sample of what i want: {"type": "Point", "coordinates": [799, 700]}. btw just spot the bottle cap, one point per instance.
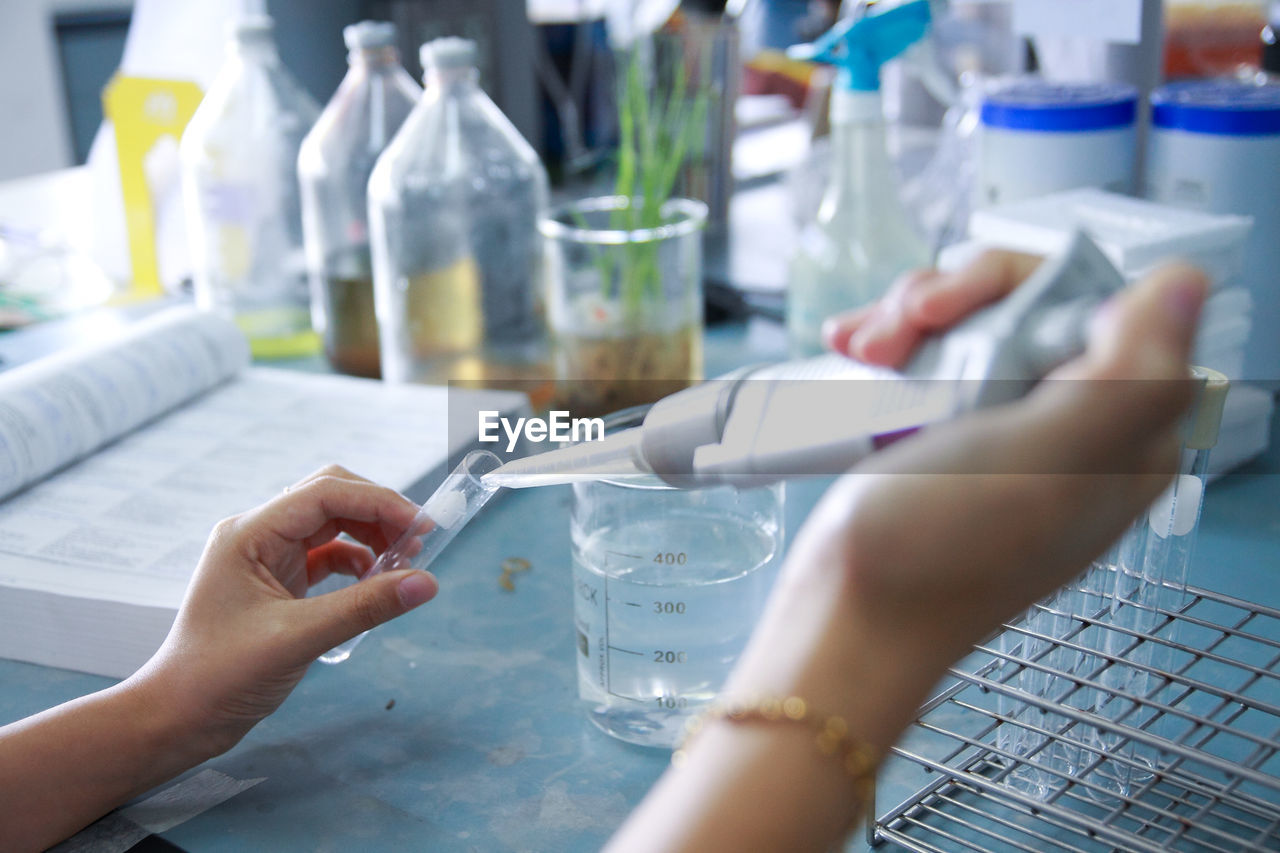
{"type": "Point", "coordinates": [859, 46]}
{"type": "Point", "coordinates": [1219, 107]}
{"type": "Point", "coordinates": [251, 27]}
{"type": "Point", "coordinates": [1033, 104]}
{"type": "Point", "coordinates": [448, 52]}
{"type": "Point", "coordinates": [368, 35]}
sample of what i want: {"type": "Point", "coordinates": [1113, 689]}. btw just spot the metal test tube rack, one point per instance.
{"type": "Point", "coordinates": [1212, 716]}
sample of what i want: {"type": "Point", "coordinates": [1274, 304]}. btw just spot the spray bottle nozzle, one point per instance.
{"type": "Point", "coordinates": [859, 46]}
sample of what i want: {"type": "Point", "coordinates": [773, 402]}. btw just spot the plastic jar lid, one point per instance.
{"type": "Point", "coordinates": [1220, 107]}
{"type": "Point", "coordinates": [1039, 105]}
{"type": "Point", "coordinates": [368, 35]}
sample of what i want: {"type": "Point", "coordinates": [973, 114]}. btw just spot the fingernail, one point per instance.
{"type": "Point", "coordinates": [418, 588]}
{"type": "Point", "coordinates": [834, 336]}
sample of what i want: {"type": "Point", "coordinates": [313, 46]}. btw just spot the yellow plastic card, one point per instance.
{"type": "Point", "coordinates": [144, 111]}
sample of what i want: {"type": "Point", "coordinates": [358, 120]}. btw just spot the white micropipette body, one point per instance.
{"type": "Point", "coordinates": [820, 416]}
{"type": "Point", "coordinates": [447, 511]}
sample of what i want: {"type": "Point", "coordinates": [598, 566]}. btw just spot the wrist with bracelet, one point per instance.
{"type": "Point", "coordinates": [831, 736]}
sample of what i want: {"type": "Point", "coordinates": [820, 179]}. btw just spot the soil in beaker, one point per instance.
{"type": "Point", "coordinates": [599, 375]}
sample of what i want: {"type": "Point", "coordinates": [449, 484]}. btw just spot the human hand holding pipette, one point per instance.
{"type": "Point", "coordinates": [924, 302]}
{"type": "Point", "coordinates": [925, 549]}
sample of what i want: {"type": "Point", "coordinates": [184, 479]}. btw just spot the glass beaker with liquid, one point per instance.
{"type": "Point", "coordinates": [668, 585]}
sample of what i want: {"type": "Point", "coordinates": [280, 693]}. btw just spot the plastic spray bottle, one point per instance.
{"type": "Point", "coordinates": [862, 238]}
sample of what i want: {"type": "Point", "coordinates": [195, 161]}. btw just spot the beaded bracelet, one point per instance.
{"type": "Point", "coordinates": [831, 732]}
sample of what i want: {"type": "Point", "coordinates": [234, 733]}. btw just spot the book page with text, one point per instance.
{"type": "Point", "coordinates": [129, 523]}
{"type": "Point", "coordinates": [61, 408]}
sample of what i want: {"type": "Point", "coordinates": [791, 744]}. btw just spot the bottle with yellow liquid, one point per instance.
{"type": "Point", "coordinates": [371, 103]}
{"type": "Point", "coordinates": [453, 209]}
{"type": "Point", "coordinates": [239, 156]}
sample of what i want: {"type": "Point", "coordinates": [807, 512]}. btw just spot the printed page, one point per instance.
{"type": "Point", "coordinates": [129, 523]}
{"type": "Point", "coordinates": [59, 409]}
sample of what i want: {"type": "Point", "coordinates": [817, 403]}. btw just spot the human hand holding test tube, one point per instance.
{"type": "Point", "coordinates": [447, 511]}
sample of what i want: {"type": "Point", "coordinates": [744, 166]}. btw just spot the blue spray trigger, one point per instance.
{"type": "Point", "coordinates": [858, 47]}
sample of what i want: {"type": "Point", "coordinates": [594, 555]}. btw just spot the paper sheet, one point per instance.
{"type": "Point", "coordinates": [171, 436]}
{"type": "Point", "coordinates": [129, 523]}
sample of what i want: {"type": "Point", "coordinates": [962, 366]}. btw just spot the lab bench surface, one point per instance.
{"type": "Point", "coordinates": [458, 727]}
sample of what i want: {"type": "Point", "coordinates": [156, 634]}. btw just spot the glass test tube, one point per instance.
{"type": "Point", "coordinates": [1149, 583]}
{"type": "Point", "coordinates": [447, 511]}
{"type": "Point", "coordinates": [1131, 587]}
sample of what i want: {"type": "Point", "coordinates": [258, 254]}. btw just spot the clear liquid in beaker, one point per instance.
{"type": "Point", "coordinates": [662, 609]}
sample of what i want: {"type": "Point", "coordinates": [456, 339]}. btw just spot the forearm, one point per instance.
{"type": "Point", "coordinates": [766, 785]}
{"type": "Point", "coordinates": [64, 768]}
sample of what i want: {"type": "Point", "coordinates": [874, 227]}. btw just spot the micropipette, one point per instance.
{"type": "Point", "coordinates": [762, 425]}
{"type": "Point", "coordinates": [446, 512]}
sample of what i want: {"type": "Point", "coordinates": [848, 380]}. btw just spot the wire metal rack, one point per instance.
{"type": "Point", "coordinates": [1191, 761]}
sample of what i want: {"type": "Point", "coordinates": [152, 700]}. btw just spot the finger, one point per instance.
{"type": "Point", "coordinates": [1142, 341]}
{"type": "Point", "coordinates": [379, 537]}
{"type": "Point", "coordinates": [946, 299]}
{"type": "Point", "coordinates": [887, 336]}
{"type": "Point", "coordinates": [837, 329]}
{"type": "Point", "coordinates": [319, 508]}
{"type": "Point", "coordinates": [887, 339]}
{"type": "Point", "coordinates": [1132, 385]}
{"type": "Point", "coordinates": [338, 557]}
{"type": "Point", "coordinates": [335, 617]}
{"type": "Point", "coordinates": [331, 470]}
{"type": "Point", "coordinates": [1148, 330]}
{"type": "Point", "coordinates": [375, 535]}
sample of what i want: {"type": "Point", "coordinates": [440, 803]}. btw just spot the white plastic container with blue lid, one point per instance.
{"type": "Point", "coordinates": [1039, 137]}
{"type": "Point", "coordinates": [1215, 146]}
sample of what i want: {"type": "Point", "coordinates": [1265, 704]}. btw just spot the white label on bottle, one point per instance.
{"type": "Point", "coordinates": [1175, 512]}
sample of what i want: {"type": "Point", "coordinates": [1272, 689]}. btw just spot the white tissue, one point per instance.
{"type": "Point", "coordinates": [446, 508]}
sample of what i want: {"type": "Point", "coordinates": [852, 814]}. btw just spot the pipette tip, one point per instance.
{"type": "Point", "coordinates": [617, 457]}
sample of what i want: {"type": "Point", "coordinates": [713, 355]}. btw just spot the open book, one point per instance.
{"type": "Point", "coordinates": [116, 461]}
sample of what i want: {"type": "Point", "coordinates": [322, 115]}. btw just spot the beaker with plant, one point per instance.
{"type": "Point", "coordinates": [624, 271]}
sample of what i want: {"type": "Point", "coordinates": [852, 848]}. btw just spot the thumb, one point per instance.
{"type": "Point", "coordinates": [336, 617]}
{"type": "Point", "coordinates": [1131, 385]}
{"type": "Point", "coordinates": [1150, 330]}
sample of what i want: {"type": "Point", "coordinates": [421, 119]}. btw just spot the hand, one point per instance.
{"type": "Point", "coordinates": [926, 547]}
{"type": "Point", "coordinates": [923, 302]}
{"type": "Point", "coordinates": [940, 538]}
{"type": "Point", "coordinates": [242, 639]}
{"type": "Point", "coordinates": [246, 634]}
